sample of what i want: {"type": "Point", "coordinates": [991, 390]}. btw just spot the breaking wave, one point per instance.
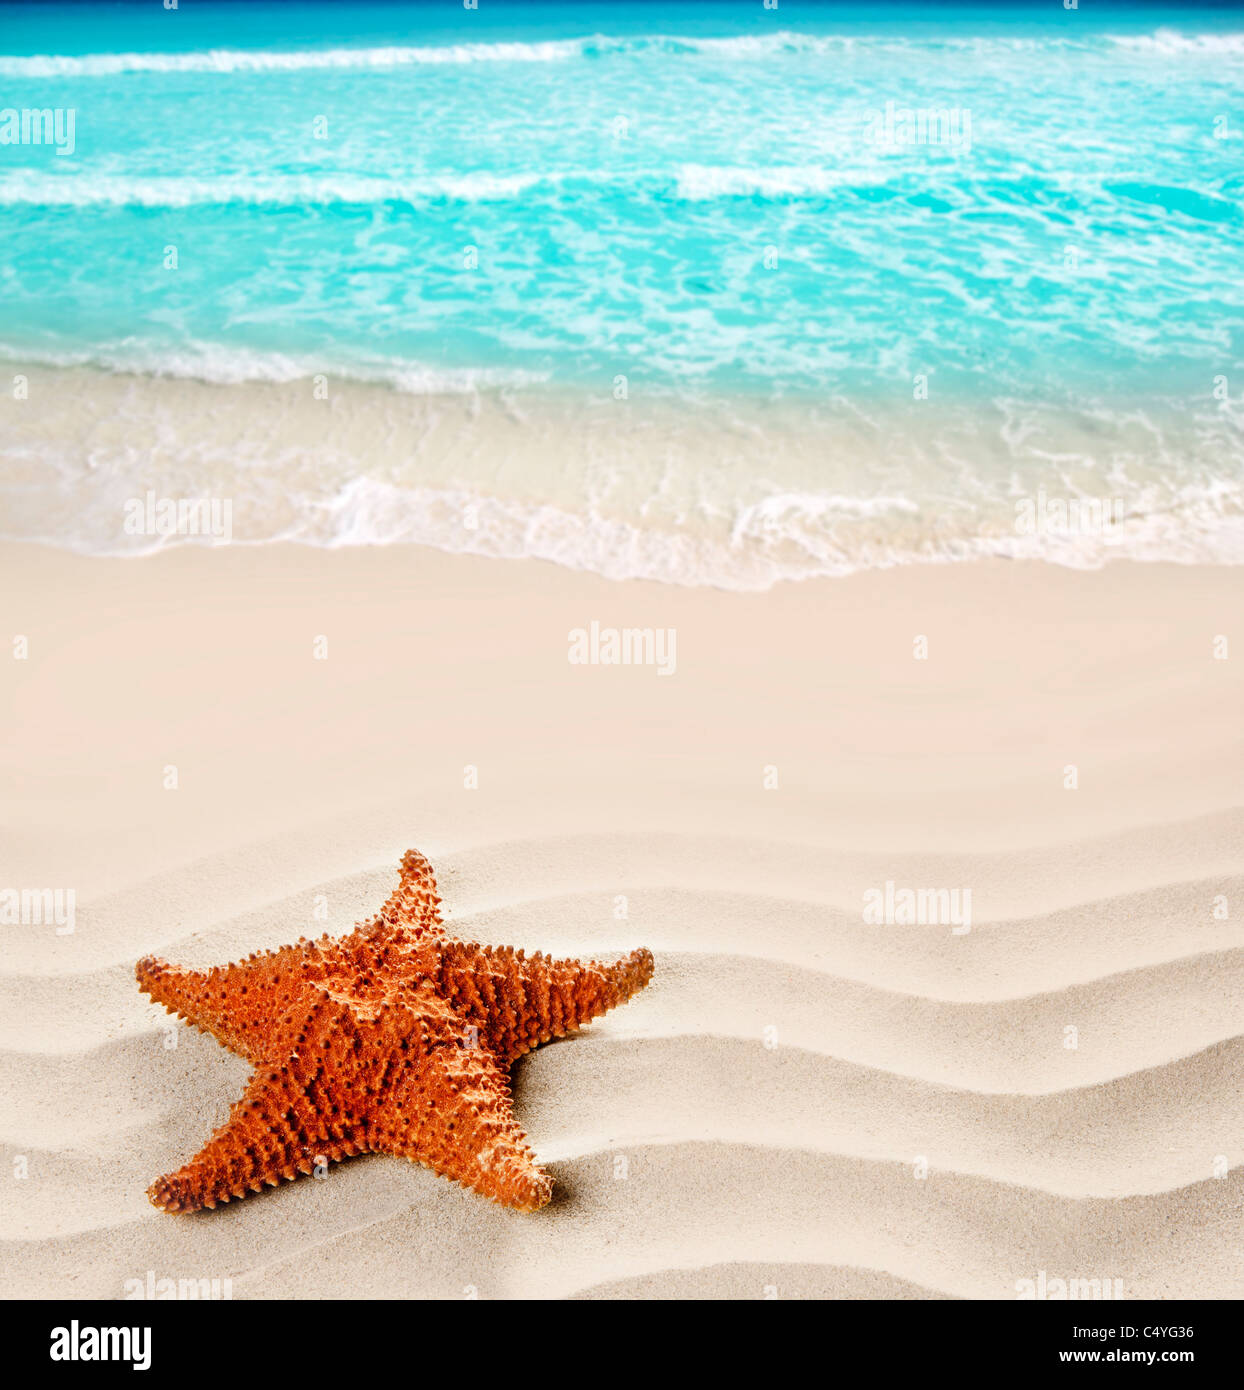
{"type": "Point", "coordinates": [1167, 42]}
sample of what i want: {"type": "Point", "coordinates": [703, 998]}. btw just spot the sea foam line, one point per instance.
{"type": "Point", "coordinates": [686, 183]}
{"type": "Point", "coordinates": [234, 366]}
{"type": "Point", "coordinates": [1170, 42]}
{"type": "Point", "coordinates": [222, 60]}
{"type": "Point", "coordinates": [741, 47]}
{"type": "Point", "coordinates": [689, 183]}
{"type": "Point", "coordinates": [23, 188]}
{"type": "Point", "coordinates": [798, 539]}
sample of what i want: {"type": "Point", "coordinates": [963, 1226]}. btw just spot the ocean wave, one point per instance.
{"type": "Point", "coordinates": [686, 183]}
{"type": "Point", "coordinates": [233, 366]}
{"type": "Point", "coordinates": [792, 539]}
{"type": "Point", "coordinates": [701, 183]}
{"type": "Point", "coordinates": [786, 514]}
{"type": "Point", "coordinates": [1171, 43]}
{"type": "Point", "coordinates": [690, 183]}
{"type": "Point", "coordinates": [385, 472]}
{"type": "Point", "coordinates": [226, 60]}
{"type": "Point", "coordinates": [25, 188]}
{"type": "Point", "coordinates": [736, 47]}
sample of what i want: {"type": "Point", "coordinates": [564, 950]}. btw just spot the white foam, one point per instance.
{"type": "Point", "coordinates": [25, 187]}
{"type": "Point", "coordinates": [1171, 43]}
{"type": "Point", "coordinates": [743, 47]}
{"type": "Point", "coordinates": [226, 60]}
{"type": "Point", "coordinates": [789, 538]}
{"type": "Point", "coordinates": [693, 183]}
{"type": "Point", "coordinates": [701, 182]}
{"type": "Point", "coordinates": [231, 366]}
{"type": "Point", "coordinates": [788, 514]}
{"type": "Point", "coordinates": [765, 45]}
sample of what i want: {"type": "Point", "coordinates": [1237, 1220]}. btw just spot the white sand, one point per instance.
{"type": "Point", "coordinates": [757, 1116]}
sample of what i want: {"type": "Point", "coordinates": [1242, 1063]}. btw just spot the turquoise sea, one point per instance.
{"type": "Point", "coordinates": [705, 292]}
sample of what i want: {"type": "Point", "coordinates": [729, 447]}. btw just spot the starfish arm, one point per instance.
{"type": "Point", "coordinates": [414, 903]}
{"type": "Point", "coordinates": [451, 1111]}
{"type": "Point", "coordinates": [282, 1126]}
{"type": "Point", "coordinates": [237, 1004]}
{"type": "Point", "coordinates": [519, 1001]}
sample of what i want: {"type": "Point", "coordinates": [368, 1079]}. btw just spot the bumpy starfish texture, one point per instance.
{"type": "Point", "coordinates": [394, 1039]}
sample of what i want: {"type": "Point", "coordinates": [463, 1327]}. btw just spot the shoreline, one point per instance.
{"type": "Point", "coordinates": [738, 493]}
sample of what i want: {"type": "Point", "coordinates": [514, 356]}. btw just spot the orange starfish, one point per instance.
{"type": "Point", "coordinates": [394, 1039]}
